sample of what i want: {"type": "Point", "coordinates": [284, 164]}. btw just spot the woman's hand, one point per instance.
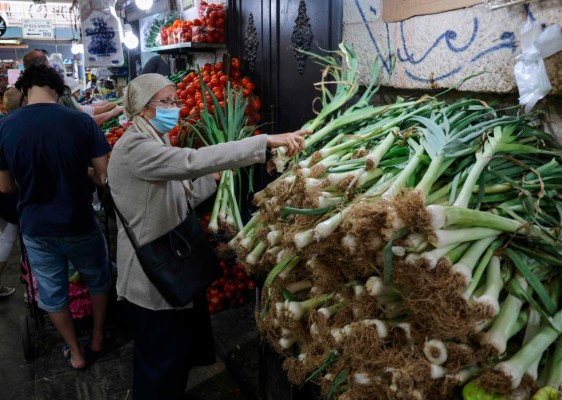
{"type": "Point", "coordinates": [294, 141]}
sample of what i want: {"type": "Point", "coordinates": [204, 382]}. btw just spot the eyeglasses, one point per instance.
{"type": "Point", "coordinates": [176, 103]}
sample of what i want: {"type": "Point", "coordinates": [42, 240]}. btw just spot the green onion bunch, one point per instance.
{"type": "Point", "coordinates": [413, 250]}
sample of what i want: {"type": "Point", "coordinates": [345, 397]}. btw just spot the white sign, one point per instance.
{"type": "Point", "coordinates": [37, 28]}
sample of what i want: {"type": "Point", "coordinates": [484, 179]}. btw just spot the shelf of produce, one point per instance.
{"type": "Point", "coordinates": [184, 47]}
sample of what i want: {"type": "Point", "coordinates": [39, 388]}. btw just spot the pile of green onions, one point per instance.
{"type": "Point", "coordinates": [413, 249]}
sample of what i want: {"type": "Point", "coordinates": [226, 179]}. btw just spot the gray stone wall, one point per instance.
{"type": "Point", "coordinates": [437, 51]}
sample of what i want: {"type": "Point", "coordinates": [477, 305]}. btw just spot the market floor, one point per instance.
{"type": "Point", "coordinates": [47, 376]}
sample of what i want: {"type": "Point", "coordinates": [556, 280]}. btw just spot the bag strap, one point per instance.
{"type": "Point", "coordinates": [123, 222]}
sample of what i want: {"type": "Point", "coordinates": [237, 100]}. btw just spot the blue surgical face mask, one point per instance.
{"type": "Point", "coordinates": [165, 119]}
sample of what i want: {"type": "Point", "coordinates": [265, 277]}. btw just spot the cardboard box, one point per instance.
{"type": "Point", "coordinates": [399, 10]}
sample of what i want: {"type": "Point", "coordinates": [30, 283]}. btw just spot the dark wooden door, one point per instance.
{"type": "Point", "coordinates": [265, 33]}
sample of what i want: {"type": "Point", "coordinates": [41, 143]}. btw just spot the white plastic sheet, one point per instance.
{"type": "Point", "coordinates": [530, 72]}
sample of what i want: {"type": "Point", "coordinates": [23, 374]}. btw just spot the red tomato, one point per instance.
{"type": "Point", "coordinates": [219, 95]}
{"type": "Point", "coordinates": [236, 63]}
{"type": "Point", "coordinates": [174, 141]}
{"type": "Point", "coordinates": [181, 85]}
{"type": "Point", "coordinates": [218, 66]}
{"type": "Point", "coordinates": [223, 80]}
{"type": "Point", "coordinates": [235, 74]}
{"type": "Point", "coordinates": [256, 104]}
{"type": "Point", "coordinates": [191, 89]}
{"type": "Point", "coordinates": [174, 131]}
{"type": "Point", "coordinates": [214, 82]}
{"type": "Point", "coordinates": [184, 112]}
{"type": "Point", "coordinates": [257, 132]}
{"type": "Point", "coordinates": [251, 285]}
{"type": "Point", "coordinates": [190, 103]}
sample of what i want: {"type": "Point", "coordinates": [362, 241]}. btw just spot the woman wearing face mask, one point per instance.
{"type": "Point", "coordinates": [151, 184]}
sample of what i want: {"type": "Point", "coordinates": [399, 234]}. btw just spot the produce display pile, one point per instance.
{"type": "Point", "coordinates": [218, 109]}
{"type": "Point", "coordinates": [413, 251]}
{"type": "Point", "coordinates": [210, 27]}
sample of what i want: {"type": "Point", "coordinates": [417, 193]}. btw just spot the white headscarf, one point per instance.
{"type": "Point", "coordinates": [138, 93]}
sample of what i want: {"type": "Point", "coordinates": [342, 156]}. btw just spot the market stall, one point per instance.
{"type": "Point", "coordinates": [412, 250]}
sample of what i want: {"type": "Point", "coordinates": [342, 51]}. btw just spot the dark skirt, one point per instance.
{"type": "Point", "coordinates": [167, 344]}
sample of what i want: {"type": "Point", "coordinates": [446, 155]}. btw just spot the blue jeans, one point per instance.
{"type": "Point", "coordinates": [49, 258]}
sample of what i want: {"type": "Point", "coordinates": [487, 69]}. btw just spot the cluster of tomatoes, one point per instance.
{"type": "Point", "coordinates": [190, 93]}
{"type": "Point", "coordinates": [231, 290]}
{"type": "Point", "coordinates": [115, 133]}
{"type": "Point", "coordinates": [210, 27]}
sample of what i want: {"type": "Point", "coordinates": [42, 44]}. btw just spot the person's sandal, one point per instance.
{"type": "Point", "coordinates": [66, 353]}
{"type": "Point", "coordinates": [6, 291]}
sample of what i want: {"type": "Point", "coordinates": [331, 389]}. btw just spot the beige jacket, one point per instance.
{"type": "Point", "coordinates": [145, 178]}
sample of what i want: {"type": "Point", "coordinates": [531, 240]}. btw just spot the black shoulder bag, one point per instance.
{"type": "Point", "coordinates": [180, 263]}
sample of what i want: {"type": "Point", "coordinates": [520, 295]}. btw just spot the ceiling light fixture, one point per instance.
{"type": "Point", "coordinates": [130, 39]}
{"type": "Point", "coordinates": [77, 47]}
{"type": "Point", "coordinates": [144, 4]}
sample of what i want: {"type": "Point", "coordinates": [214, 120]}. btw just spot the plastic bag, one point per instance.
{"type": "Point", "coordinates": [530, 71]}
{"type": "Point", "coordinates": [549, 41]}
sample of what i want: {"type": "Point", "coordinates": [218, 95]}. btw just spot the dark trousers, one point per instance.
{"type": "Point", "coordinates": [164, 343]}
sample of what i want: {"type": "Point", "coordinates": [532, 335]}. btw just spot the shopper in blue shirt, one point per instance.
{"type": "Point", "coordinates": [48, 149]}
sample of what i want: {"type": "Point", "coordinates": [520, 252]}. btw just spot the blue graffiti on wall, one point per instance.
{"type": "Point", "coordinates": [449, 38]}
